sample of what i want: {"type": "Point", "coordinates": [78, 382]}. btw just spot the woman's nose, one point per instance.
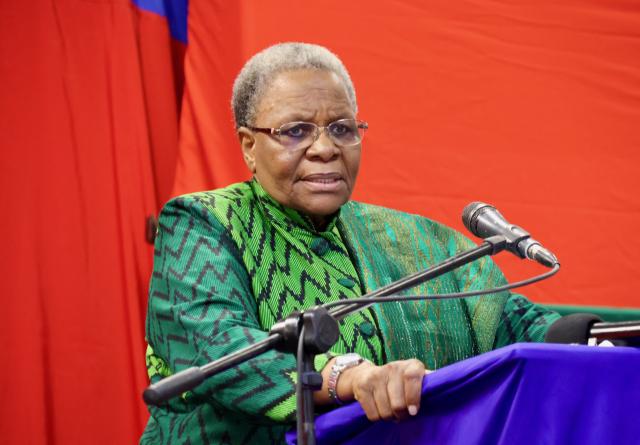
{"type": "Point", "coordinates": [323, 147]}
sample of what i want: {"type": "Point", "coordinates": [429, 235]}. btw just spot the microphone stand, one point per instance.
{"type": "Point", "coordinates": [309, 333]}
{"type": "Point", "coordinates": [624, 333]}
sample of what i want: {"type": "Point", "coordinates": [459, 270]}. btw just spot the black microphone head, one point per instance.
{"type": "Point", "coordinates": [572, 328]}
{"type": "Point", "coordinates": [470, 214]}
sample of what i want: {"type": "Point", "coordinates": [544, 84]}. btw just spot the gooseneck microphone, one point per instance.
{"type": "Point", "coordinates": [572, 328]}
{"type": "Point", "coordinates": [484, 220]}
{"type": "Point", "coordinates": [583, 329]}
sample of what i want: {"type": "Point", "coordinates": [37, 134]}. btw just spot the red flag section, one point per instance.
{"type": "Point", "coordinates": [531, 107]}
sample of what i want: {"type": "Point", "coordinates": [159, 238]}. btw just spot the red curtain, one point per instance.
{"type": "Point", "coordinates": [531, 106]}
{"type": "Point", "coordinates": [89, 136]}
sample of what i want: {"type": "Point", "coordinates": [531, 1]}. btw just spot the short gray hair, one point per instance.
{"type": "Point", "coordinates": [262, 68]}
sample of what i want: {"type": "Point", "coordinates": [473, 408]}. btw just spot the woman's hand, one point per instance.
{"type": "Point", "coordinates": [390, 392]}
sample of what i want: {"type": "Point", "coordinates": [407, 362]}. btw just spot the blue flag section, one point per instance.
{"type": "Point", "coordinates": [174, 10]}
{"type": "Point", "coordinates": [524, 393]}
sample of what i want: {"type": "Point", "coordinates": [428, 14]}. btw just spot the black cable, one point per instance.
{"type": "Point", "coordinates": [374, 300]}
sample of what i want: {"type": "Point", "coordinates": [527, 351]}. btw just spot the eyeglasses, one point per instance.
{"type": "Point", "coordinates": [300, 135]}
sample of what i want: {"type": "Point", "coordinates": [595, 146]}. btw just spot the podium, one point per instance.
{"type": "Point", "coordinates": [520, 394]}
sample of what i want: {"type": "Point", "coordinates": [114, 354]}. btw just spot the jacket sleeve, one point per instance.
{"type": "Point", "coordinates": [201, 308]}
{"type": "Point", "coordinates": [523, 321]}
{"type": "Point", "coordinates": [520, 319]}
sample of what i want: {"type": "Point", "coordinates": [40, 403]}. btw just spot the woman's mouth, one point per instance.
{"type": "Point", "coordinates": [323, 182]}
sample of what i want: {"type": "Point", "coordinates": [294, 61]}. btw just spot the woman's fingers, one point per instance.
{"type": "Point", "coordinates": [405, 387]}
{"type": "Point", "coordinates": [413, 374]}
{"type": "Point", "coordinates": [391, 391]}
{"type": "Point", "coordinates": [396, 391]}
{"type": "Point", "coordinates": [383, 405]}
{"type": "Point", "coordinates": [363, 389]}
{"type": "Point", "coordinates": [369, 406]}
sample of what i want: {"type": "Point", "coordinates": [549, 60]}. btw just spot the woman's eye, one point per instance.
{"type": "Point", "coordinates": [340, 129]}
{"type": "Point", "coordinates": [297, 131]}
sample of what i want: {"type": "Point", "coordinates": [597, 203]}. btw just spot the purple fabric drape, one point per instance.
{"type": "Point", "coordinates": [524, 393]}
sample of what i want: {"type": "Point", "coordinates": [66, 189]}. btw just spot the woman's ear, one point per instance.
{"type": "Point", "coordinates": [248, 143]}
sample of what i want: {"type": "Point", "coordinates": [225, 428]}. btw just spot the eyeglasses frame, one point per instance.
{"type": "Point", "coordinates": [319, 129]}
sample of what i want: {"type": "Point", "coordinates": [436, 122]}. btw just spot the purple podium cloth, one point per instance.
{"type": "Point", "coordinates": [521, 394]}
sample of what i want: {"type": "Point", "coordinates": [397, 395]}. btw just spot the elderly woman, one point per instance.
{"type": "Point", "coordinates": [229, 263]}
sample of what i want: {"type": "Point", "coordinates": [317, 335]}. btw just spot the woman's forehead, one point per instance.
{"type": "Point", "coordinates": [302, 94]}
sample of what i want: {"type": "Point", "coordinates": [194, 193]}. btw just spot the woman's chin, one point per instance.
{"type": "Point", "coordinates": [322, 206]}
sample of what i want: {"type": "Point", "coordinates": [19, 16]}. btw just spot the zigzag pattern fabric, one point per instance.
{"type": "Point", "coordinates": [230, 263]}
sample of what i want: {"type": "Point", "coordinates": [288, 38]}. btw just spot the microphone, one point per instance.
{"type": "Point", "coordinates": [484, 220]}
{"type": "Point", "coordinates": [572, 328]}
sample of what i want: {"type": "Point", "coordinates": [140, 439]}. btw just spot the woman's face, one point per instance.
{"type": "Point", "coordinates": [316, 180]}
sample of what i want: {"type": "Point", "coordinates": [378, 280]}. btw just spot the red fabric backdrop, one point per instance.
{"type": "Point", "coordinates": [531, 106]}
{"type": "Point", "coordinates": [89, 130]}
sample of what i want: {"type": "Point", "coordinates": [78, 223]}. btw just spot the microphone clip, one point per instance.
{"type": "Point", "coordinates": [497, 242]}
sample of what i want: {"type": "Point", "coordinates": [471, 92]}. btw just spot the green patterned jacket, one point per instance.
{"type": "Point", "coordinates": [229, 263]}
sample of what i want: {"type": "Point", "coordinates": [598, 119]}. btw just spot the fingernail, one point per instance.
{"type": "Point", "coordinates": [413, 410]}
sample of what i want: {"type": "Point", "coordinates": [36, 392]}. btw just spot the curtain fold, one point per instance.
{"type": "Point", "coordinates": [89, 136]}
{"type": "Point", "coordinates": [111, 107]}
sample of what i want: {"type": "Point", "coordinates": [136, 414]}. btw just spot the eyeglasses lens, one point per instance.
{"type": "Point", "coordinates": [344, 132]}
{"type": "Point", "coordinates": [298, 135]}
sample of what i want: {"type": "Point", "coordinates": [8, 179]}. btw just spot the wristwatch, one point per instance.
{"type": "Point", "coordinates": [342, 362]}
